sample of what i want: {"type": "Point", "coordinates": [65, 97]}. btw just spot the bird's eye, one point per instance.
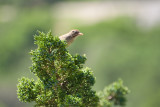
{"type": "Point", "coordinates": [73, 31]}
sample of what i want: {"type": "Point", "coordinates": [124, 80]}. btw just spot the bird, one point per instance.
{"type": "Point", "coordinates": [70, 36]}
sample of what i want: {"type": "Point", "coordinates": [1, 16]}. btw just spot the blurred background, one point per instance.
{"type": "Point", "coordinates": [121, 40]}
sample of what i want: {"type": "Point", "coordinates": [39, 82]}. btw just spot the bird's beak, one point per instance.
{"type": "Point", "coordinates": [80, 33]}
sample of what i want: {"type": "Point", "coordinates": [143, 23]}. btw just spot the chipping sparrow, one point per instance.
{"type": "Point", "coordinates": [69, 37]}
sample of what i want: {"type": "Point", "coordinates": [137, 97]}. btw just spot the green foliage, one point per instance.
{"type": "Point", "coordinates": [25, 90]}
{"type": "Point", "coordinates": [113, 94]}
{"type": "Point", "coordinates": [62, 79]}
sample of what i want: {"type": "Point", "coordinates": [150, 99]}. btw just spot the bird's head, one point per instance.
{"type": "Point", "coordinates": [75, 33]}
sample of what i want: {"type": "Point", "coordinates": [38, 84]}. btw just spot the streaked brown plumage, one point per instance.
{"type": "Point", "coordinates": [70, 37]}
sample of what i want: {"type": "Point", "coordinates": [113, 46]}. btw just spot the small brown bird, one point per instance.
{"type": "Point", "coordinates": [69, 37]}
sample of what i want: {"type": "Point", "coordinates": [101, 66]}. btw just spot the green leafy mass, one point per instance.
{"type": "Point", "coordinates": [62, 79]}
